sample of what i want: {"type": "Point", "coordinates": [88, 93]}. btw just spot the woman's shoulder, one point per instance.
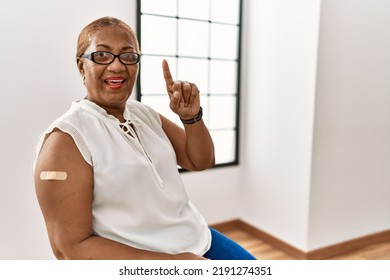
{"type": "Point", "coordinates": [133, 103]}
{"type": "Point", "coordinates": [67, 126]}
{"type": "Point", "coordinates": [71, 113]}
{"type": "Point", "coordinates": [142, 111]}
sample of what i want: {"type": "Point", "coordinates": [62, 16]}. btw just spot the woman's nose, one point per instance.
{"type": "Point", "coordinates": [116, 65]}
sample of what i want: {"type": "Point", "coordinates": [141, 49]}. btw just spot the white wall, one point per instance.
{"type": "Point", "coordinates": [317, 150]}
{"type": "Point", "coordinates": [39, 80]}
{"type": "Point", "coordinates": [281, 56]}
{"type": "Point", "coordinates": [350, 190]}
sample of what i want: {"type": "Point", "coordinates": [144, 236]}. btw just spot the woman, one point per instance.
{"type": "Point", "coordinates": [106, 171]}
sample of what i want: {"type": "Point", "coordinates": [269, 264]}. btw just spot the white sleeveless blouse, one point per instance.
{"type": "Point", "coordinates": [139, 198]}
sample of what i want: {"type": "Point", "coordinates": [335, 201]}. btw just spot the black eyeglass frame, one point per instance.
{"type": "Point", "coordinates": [90, 56]}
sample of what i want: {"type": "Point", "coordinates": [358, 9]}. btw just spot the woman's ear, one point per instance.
{"type": "Point", "coordinates": [80, 66]}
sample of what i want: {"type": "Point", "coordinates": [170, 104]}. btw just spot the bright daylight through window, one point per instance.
{"type": "Point", "coordinates": [200, 39]}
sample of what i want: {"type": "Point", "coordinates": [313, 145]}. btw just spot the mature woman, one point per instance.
{"type": "Point", "coordinates": [106, 171]}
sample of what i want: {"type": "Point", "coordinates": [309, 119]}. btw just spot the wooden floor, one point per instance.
{"type": "Point", "coordinates": [265, 251]}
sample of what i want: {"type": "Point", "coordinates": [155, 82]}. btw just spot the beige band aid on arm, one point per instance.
{"type": "Point", "coordinates": [53, 175]}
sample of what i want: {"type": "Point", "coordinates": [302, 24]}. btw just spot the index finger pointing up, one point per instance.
{"type": "Point", "coordinates": [167, 73]}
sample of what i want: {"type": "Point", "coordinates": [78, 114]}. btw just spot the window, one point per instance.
{"type": "Point", "coordinates": [200, 39]}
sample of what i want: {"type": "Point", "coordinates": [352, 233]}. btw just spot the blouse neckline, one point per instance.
{"type": "Point", "coordinates": [101, 113]}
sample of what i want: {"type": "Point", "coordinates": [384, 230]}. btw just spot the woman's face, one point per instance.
{"type": "Point", "coordinates": [109, 85]}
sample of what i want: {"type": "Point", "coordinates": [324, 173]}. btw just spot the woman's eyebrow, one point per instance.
{"type": "Point", "coordinates": [110, 48]}
{"type": "Point", "coordinates": [103, 46]}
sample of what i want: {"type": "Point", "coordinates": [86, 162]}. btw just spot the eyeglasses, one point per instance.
{"type": "Point", "coordinates": [105, 58]}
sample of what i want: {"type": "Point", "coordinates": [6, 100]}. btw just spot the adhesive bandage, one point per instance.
{"type": "Point", "coordinates": [53, 175]}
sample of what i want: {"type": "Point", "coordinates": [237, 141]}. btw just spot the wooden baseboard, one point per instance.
{"type": "Point", "coordinates": [318, 254]}
{"type": "Point", "coordinates": [224, 226]}
{"type": "Point", "coordinates": [348, 246]}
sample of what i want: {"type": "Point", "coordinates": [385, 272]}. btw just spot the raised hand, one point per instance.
{"type": "Point", "coordinates": [184, 96]}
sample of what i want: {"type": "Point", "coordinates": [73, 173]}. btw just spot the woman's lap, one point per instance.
{"type": "Point", "coordinates": [223, 248]}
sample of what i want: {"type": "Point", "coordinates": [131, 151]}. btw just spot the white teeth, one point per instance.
{"type": "Point", "coordinates": [115, 81]}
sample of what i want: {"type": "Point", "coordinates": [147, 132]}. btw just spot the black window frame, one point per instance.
{"type": "Point", "coordinates": [234, 162]}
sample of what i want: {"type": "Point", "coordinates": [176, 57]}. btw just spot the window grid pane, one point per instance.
{"type": "Point", "coordinates": [199, 9]}
{"type": "Point", "coordinates": [193, 38]}
{"type": "Point", "coordinates": [201, 45]}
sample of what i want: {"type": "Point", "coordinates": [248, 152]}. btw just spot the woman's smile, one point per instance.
{"type": "Point", "coordinates": [115, 83]}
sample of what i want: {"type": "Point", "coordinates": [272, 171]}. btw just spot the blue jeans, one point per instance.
{"type": "Point", "coordinates": [223, 248]}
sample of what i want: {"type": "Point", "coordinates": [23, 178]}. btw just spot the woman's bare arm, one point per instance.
{"type": "Point", "coordinates": [193, 145]}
